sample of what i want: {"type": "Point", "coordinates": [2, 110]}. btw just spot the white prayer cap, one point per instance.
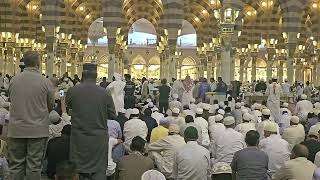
{"type": "Point", "coordinates": [206, 107]}
{"type": "Point", "coordinates": [221, 104]}
{"type": "Point", "coordinates": [135, 111]}
{"type": "Point", "coordinates": [2, 93]}
{"type": "Point", "coordinates": [257, 113]}
{"type": "Point", "coordinates": [221, 111]}
{"type": "Point", "coordinates": [218, 117]}
{"type": "Point", "coordinates": [313, 133]}
{"type": "Point", "coordinates": [164, 121]}
{"type": "Point", "coordinates": [294, 119]}
{"type": "Point", "coordinates": [54, 117]}
{"type": "Point", "coordinates": [270, 126]}
{"type": "Point", "coordinates": [317, 105]}
{"type": "Point", "coordinates": [155, 109]}
{"type": "Point", "coordinates": [266, 112]}
{"type": "Point", "coordinates": [243, 111]}
{"type": "Point", "coordinates": [148, 100]}
{"type": "Point", "coordinates": [192, 100]}
{"type": "Point", "coordinates": [174, 128]}
{"type": "Point", "coordinates": [212, 118]}
{"type": "Point", "coordinates": [175, 96]}
{"type": "Point", "coordinates": [176, 110]}
{"type": "Point", "coordinates": [286, 105]}
{"type": "Point", "coordinates": [153, 175]}
{"type": "Point", "coordinates": [238, 105]}
{"type": "Point", "coordinates": [122, 110]}
{"type": "Point", "coordinates": [150, 104]}
{"type": "Point", "coordinates": [247, 117]}
{"type": "Point", "coordinates": [304, 97]}
{"type": "Point", "coordinates": [199, 111]}
{"type": "Point", "coordinates": [229, 120]}
{"type": "Point", "coordinates": [242, 103]}
{"type": "Point", "coordinates": [258, 106]}
{"type": "Point", "coordinates": [212, 110]}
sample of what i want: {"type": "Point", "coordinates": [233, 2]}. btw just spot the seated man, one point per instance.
{"type": "Point", "coordinates": [299, 167]}
{"type": "Point", "coordinates": [175, 118]}
{"type": "Point", "coordinates": [163, 150]}
{"type": "Point", "coordinates": [58, 150]}
{"type": "Point", "coordinates": [191, 161]}
{"type": "Point", "coordinates": [161, 131]}
{"type": "Point", "coordinates": [313, 145]}
{"type": "Point", "coordinates": [135, 164]}
{"type": "Point", "coordinates": [294, 134]}
{"type": "Point", "coordinates": [134, 127]}
{"type": "Point", "coordinates": [190, 122]}
{"type": "Point", "coordinates": [229, 142]}
{"type": "Point", "coordinates": [250, 162]}
{"type": "Point", "coordinates": [66, 170]}
{"type": "Point", "coordinates": [275, 147]}
{"type": "Point", "coordinates": [247, 124]}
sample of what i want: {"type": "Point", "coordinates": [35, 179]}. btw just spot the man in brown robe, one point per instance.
{"type": "Point", "coordinates": [91, 107]}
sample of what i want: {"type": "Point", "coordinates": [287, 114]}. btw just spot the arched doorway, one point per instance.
{"type": "Point", "coordinates": [138, 67]}
{"type": "Point", "coordinates": [154, 67]}
{"type": "Point", "coordinates": [188, 66]}
{"type": "Point", "coordinates": [103, 67]}
{"type": "Point", "coordinates": [261, 70]}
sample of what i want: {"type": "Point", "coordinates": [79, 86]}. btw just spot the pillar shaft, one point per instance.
{"type": "Point", "coordinates": [280, 72]}
{"type": "Point", "coordinates": [253, 68]}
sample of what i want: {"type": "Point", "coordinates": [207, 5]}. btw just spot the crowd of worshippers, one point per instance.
{"type": "Point", "coordinates": [122, 130]}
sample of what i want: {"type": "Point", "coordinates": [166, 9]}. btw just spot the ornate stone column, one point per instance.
{"type": "Point", "coordinates": [242, 63]}
{"type": "Point", "coordinates": [253, 66]}
{"type": "Point", "coordinates": [218, 65]}
{"type": "Point", "coordinates": [280, 72]}
{"type": "Point", "coordinates": [226, 60]}
{"type": "Point", "coordinates": [299, 72]}
{"type": "Point", "coordinates": [269, 70]}
{"type": "Point", "coordinates": [291, 47]}
{"type": "Point", "coordinates": [210, 70]}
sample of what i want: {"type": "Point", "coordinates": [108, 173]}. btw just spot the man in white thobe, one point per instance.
{"type": "Point", "coordinates": [216, 127]}
{"type": "Point", "coordinates": [229, 142]}
{"type": "Point", "coordinates": [156, 115]}
{"type": "Point", "coordinates": [163, 150]}
{"type": "Point", "coordinates": [273, 92]}
{"type": "Point", "coordinates": [134, 127]}
{"type": "Point", "coordinates": [247, 124]}
{"type": "Point", "coordinates": [199, 120]}
{"type": "Point", "coordinates": [303, 107]}
{"type": "Point", "coordinates": [277, 149]}
{"type": "Point", "coordinates": [265, 119]}
{"type": "Point", "coordinates": [294, 134]}
{"type": "Point", "coordinates": [175, 103]}
{"type": "Point", "coordinates": [286, 88]}
{"type": "Point", "coordinates": [175, 118]}
{"type": "Point", "coordinates": [117, 91]}
{"type": "Point", "coordinates": [192, 161]}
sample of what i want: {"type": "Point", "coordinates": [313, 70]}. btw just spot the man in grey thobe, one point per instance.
{"type": "Point", "coordinates": [91, 107]}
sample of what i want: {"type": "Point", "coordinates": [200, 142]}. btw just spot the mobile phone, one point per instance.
{"type": "Point", "coordinates": [61, 93]}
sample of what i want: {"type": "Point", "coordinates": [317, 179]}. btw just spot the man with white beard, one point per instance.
{"type": "Point", "coordinates": [273, 92]}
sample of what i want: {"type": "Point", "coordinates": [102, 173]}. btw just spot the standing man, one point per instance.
{"type": "Point", "coordinates": [164, 91]}
{"type": "Point", "coordinates": [273, 92]}
{"type": "Point", "coordinates": [221, 86]}
{"type": "Point", "coordinates": [32, 98]}
{"type": "Point", "coordinates": [91, 107]}
{"type": "Point", "coordinates": [129, 89]}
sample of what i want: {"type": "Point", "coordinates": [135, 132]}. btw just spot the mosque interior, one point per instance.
{"type": "Point", "coordinates": [241, 40]}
